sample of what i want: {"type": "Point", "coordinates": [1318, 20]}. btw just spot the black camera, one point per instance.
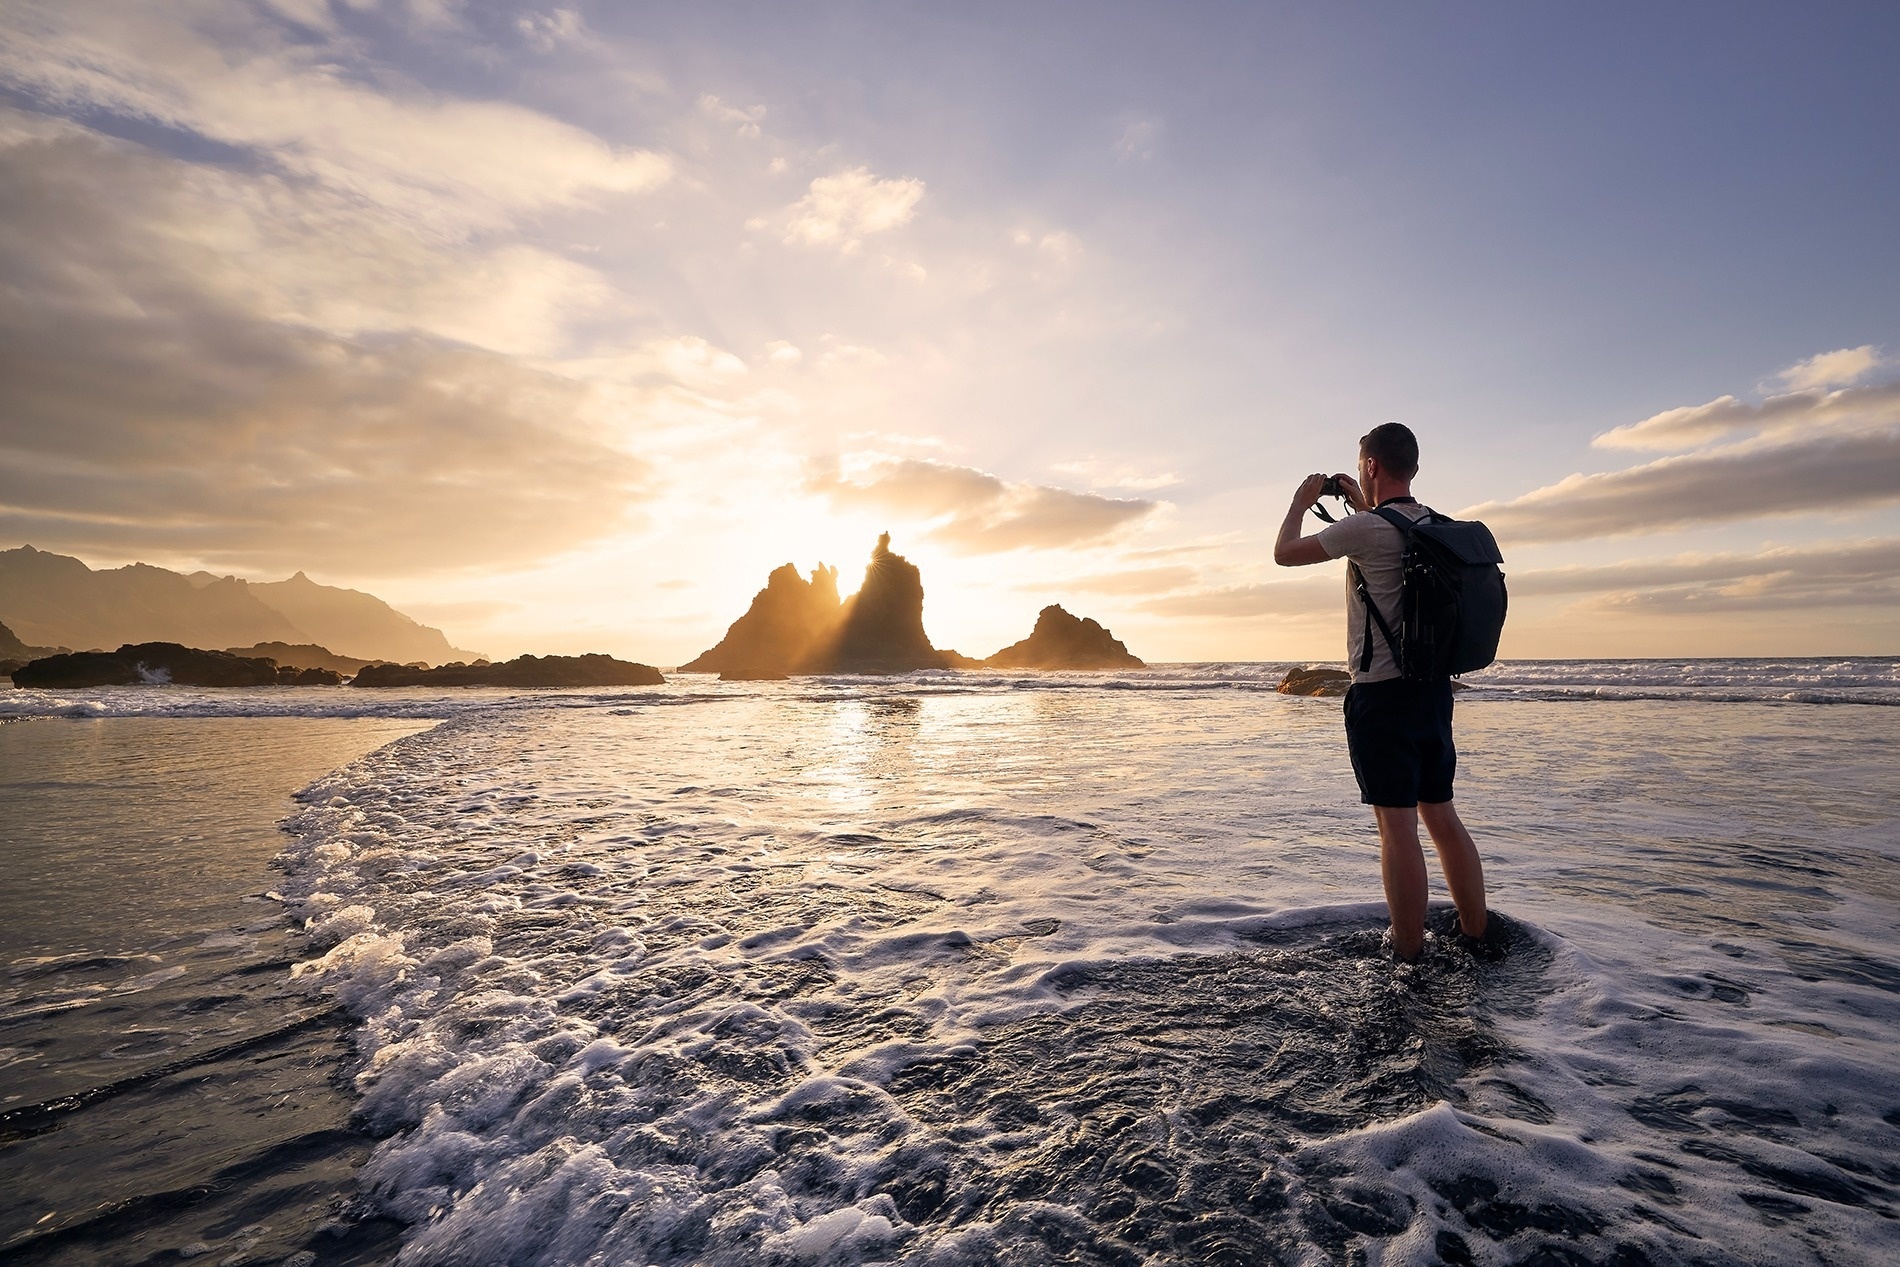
{"type": "Point", "coordinates": [1332, 487]}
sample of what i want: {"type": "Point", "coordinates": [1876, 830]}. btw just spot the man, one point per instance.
{"type": "Point", "coordinates": [1397, 732]}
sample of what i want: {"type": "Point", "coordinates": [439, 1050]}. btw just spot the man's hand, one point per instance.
{"type": "Point", "coordinates": [1355, 496]}
{"type": "Point", "coordinates": [1291, 549]}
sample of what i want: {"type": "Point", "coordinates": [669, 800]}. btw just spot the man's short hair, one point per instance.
{"type": "Point", "coordinates": [1395, 448]}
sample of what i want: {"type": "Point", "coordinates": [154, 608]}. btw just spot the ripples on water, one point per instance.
{"type": "Point", "coordinates": [953, 970]}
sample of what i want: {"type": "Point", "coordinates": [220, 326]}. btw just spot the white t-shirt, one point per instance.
{"type": "Point", "coordinates": [1377, 547]}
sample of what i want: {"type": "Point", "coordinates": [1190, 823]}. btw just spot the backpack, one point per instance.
{"type": "Point", "coordinates": [1453, 601]}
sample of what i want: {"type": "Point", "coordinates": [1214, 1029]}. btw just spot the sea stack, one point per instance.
{"type": "Point", "coordinates": [1062, 641]}
{"type": "Point", "coordinates": [800, 626]}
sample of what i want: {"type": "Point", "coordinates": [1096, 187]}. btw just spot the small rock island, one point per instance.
{"type": "Point", "coordinates": [1062, 641]}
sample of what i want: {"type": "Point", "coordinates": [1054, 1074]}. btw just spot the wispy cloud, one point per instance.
{"type": "Point", "coordinates": [1800, 451]}
{"type": "Point", "coordinates": [449, 166]}
{"type": "Point", "coordinates": [1832, 369]}
{"type": "Point", "coordinates": [1835, 575]}
{"type": "Point", "coordinates": [841, 211]}
{"type": "Point", "coordinates": [974, 512]}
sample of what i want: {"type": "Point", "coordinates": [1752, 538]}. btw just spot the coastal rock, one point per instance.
{"type": "Point", "coordinates": [303, 655]}
{"type": "Point", "coordinates": [1062, 641]}
{"type": "Point", "coordinates": [149, 664]}
{"type": "Point", "coordinates": [1315, 680]}
{"type": "Point", "coordinates": [527, 670]}
{"type": "Point", "coordinates": [780, 632]}
{"type": "Point", "coordinates": [800, 626]}
{"type": "Point", "coordinates": [883, 626]}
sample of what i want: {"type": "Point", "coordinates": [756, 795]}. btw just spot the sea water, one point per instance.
{"type": "Point", "coordinates": [997, 968]}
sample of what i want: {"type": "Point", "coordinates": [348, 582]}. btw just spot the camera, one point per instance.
{"type": "Point", "coordinates": [1332, 487]}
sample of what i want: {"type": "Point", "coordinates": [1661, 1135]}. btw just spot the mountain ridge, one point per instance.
{"type": "Point", "coordinates": [55, 599]}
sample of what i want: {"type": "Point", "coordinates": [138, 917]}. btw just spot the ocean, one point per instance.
{"type": "Point", "coordinates": [959, 968]}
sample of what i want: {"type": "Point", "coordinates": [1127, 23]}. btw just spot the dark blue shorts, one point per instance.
{"type": "Point", "coordinates": [1399, 735]}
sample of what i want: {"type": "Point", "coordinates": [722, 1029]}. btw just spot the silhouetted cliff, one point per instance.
{"type": "Point", "coordinates": [527, 670]}
{"type": "Point", "coordinates": [799, 626]}
{"type": "Point", "coordinates": [1061, 641]}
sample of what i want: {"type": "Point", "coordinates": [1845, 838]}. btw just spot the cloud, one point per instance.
{"type": "Point", "coordinates": [1805, 450]}
{"type": "Point", "coordinates": [975, 512]}
{"type": "Point", "coordinates": [194, 363]}
{"type": "Point", "coordinates": [746, 122]}
{"type": "Point", "coordinates": [1853, 574]}
{"type": "Point", "coordinates": [449, 167]}
{"type": "Point", "coordinates": [1720, 486]}
{"type": "Point", "coordinates": [840, 211]}
{"type": "Point", "coordinates": [1138, 139]}
{"type": "Point", "coordinates": [1832, 369]}
{"type": "Point", "coordinates": [1804, 412]}
{"type": "Point", "coordinates": [1155, 580]}
{"type": "Point", "coordinates": [1300, 599]}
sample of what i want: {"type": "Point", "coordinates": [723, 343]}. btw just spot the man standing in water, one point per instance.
{"type": "Point", "coordinates": [1397, 732]}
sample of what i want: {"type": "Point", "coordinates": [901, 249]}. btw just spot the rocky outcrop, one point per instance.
{"type": "Point", "coordinates": [1062, 641]}
{"type": "Point", "coordinates": [785, 629]}
{"type": "Point", "coordinates": [883, 626]}
{"type": "Point", "coordinates": [163, 664]}
{"type": "Point", "coordinates": [798, 626]}
{"type": "Point", "coordinates": [1315, 680]}
{"type": "Point", "coordinates": [527, 670]}
{"type": "Point", "coordinates": [303, 655]}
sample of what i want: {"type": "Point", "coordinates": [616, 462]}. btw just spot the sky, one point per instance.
{"type": "Point", "coordinates": [560, 327]}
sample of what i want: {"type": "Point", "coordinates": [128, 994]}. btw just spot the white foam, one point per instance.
{"type": "Point", "coordinates": [642, 983]}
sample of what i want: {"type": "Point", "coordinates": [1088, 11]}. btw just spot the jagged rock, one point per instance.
{"type": "Point", "coordinates": [1062, 641]}
{"type": "Point", "coordinates": [303, 655]}
{"type": "Point", "coordinates": [799, 626]}
{"type": "Point", "coordinates": [1315, 680]}
{"type": "Point", "coordinates": [527, 670]}
{"type": "Point", "coordinates": [308, 677]}
{"type": "Point", "coordinates": [147, 664]}
{"type": "Point", "coordinates": [883, 626]}
{"type": "Point", "coordinates": [780, 632]}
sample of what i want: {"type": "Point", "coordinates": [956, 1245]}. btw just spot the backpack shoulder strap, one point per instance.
{"type": "Point", "coordinates": [1372, 615]}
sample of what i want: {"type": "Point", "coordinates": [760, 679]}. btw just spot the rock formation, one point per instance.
{"type": "Point", "coordinates": [527, 670]}
{"type": "Point", "coordinates": [164, 664]}
{"type": "Point", "coordinates": [303, 655]}
{"type": "Point", "coordinates": [784, 629]}
{"type": "Point", "coordinates": [1315, 680]}
{"type": "Point", "coordinates": [1061, 641]}
{"type": "Point", "coordinates": [800, 626]}
{"type": "Point", "coordinates": [883, 626]}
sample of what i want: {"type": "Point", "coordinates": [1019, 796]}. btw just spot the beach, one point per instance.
{"type": "Point", "coordinates": [999, 968]}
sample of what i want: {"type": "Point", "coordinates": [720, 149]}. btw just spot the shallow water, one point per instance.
{"type": "Point", "coordinates": [967, 969]}
{"type": "Point", "coordinates": [161, 1085]}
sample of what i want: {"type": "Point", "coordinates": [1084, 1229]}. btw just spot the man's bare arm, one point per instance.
{"type": "Point", "coordinates": [1291, 549]}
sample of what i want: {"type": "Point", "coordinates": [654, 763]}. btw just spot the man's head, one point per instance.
{"type": "Point", "coordinates": [1393, 446]}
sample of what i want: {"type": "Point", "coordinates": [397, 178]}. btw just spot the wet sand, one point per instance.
{"type": "Point", "coordinates": [164, 1092]}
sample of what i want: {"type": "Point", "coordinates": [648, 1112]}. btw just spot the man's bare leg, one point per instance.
{"type": "Point", "coordinates": [1464, 872]}
{"type": "Point", "coordinates": [1402, 868]}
